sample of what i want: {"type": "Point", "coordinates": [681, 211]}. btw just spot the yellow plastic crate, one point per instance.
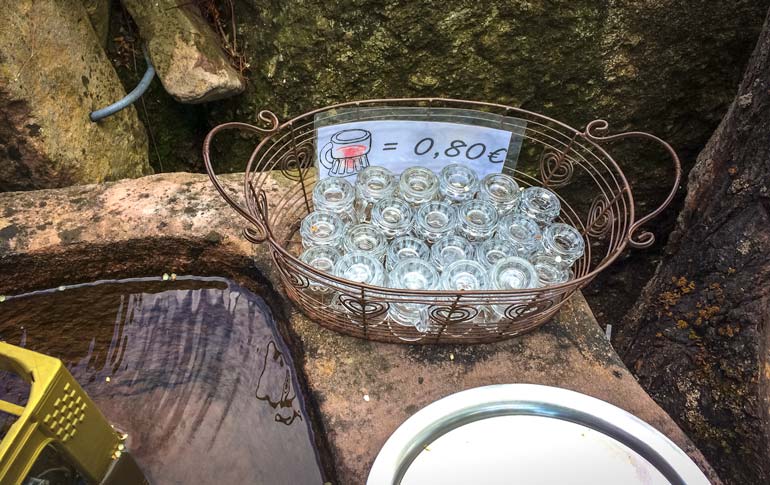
{"type": "Point", "coordinates": [60, 414]}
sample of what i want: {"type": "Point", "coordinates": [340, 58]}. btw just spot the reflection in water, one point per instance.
{"type": "Point", "coordinates": [278, 369]}
{"type": "Point", "coordinates": [178, 365]}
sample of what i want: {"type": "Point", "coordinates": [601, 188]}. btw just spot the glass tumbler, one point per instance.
{"type": "Point", "coordinates": [564, 242]}
{"type": "Point", "coordinates": [411, 274]}
{"type": "Point", "coordinates": [502, 191]}
{"type": "Point", "coordinates": [321, 258]}
{"type": "Point", "coordinates": [405, 247]}
{"type": "Point", "coordinates": [464, 274]}
{"type": "Point", "coordinates": [365, 238]}
{"type": "Point", "coordinates": [435, 220]}
{"type": "Point", "coordinates": [321, 229]}
{"type": "Point", "coordinates": [418, 185]}
{"type": "Point", "coordinates": [457, 183]}
{"type": "Point", "coordinates": [372, 184]}
{"type": "Point", "coordinates": [539, 204]}
{"type": "Point", "coordinates": [476, 220]}
{"type": "Point", "coordinates": [550, 270]}
{"type": "Point", "coordinates": [392, 216]}
{"type": "Point", "coordinates": [335, 195]}
{"type": "Point", "coordinates": [360, 267]}
{"type": "Point", "coordinates": [512, 273]}
{"type": "Point", "coordinates": [522, 232]}
{"type": "Point", "coordinates": [493, 250]}
{"type": "Point", "coordinates": [450, 249]}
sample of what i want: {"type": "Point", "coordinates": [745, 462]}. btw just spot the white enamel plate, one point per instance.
{"type": "Point", "coordinates": [529, 434]}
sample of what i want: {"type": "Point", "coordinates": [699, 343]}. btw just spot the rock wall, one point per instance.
{"type": "Point", "coordinates": [53, 73]}
{"type": "Point", "coordinates": [667, 66]}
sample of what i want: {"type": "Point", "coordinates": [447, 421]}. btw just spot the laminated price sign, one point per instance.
{"type": "Point", "coordinates": [345, 149]}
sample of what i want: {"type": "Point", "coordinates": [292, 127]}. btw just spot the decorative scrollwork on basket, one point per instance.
{"type": "Point", "coordinates": [295, 279]}
{"type": "Point", "coordinates": [637, 237]}
{"type": "Point", "coordinates": [256, 201]}
{"type": "Point", "coordinates": [522, 310]}
{"type": "Point", "coordinates": [270, 119]}
{"type": "Point", "coordinates": [361, 307]}
{"type": "Point", "coordinates": [289, 274]}
{"type": "Point", "coordinates": [296, 162]}
{"type": "Point", "coordinates": [556, 168]}
{"type": "Point", "coordinates": [600, 217]}
{"type": "Point", "coordinates": [452, 315]}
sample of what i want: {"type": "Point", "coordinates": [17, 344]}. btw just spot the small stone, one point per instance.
{"type": "Point", "coordinates": [62, 288]}
{"type": "Point", "coordinates": [451, 356]}
{"type": "Point", "coordinates": [165, 276]}
{"type": "Point", "coordinates": [173, 276]}
{"type": "Point", "coordinates": [187, 53]}
{"type": "Point", "coordinates": [366, 397]}
{"type": "Point", "coordinates": [2, 298]}
{"type": "Point", "coordinates": [107, 379]}
{"type": "Point", "coordinates": [745, 100]}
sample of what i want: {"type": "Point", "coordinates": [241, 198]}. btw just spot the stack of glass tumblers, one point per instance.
{"type": "Point", "coordinates": [451, 231]}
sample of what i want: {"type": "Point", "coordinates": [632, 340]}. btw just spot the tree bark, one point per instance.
{"type": "Point", "coordinates": [698, 338]}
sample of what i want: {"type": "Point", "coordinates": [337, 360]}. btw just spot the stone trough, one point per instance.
{"type": "Point", "coordinates": [360, 391]}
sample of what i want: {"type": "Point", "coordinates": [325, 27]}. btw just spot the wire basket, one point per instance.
{"type": "Point", "coordinates": [595, 198]}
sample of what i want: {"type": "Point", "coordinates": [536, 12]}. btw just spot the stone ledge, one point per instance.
{"type": "Point", "coordinates": [177, 222]}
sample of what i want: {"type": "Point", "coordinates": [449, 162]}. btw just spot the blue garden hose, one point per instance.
{"type": "Point", "coordinates": [131, 97]}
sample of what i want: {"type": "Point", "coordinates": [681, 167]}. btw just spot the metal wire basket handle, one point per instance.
{"type": "Point", "coordinates": [258, 234]}
{"type": "Point", "coordinates": [636, 238]}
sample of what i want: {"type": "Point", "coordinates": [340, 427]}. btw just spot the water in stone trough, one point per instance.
{"type": "Point", "coordinates": [193, 370]}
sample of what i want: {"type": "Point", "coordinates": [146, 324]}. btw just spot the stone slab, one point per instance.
{"type": "Point", "coordinates": [177, 221]}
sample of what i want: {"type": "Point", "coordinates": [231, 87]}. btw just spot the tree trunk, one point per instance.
{"type": "Point", "coordinates": [698, 337]}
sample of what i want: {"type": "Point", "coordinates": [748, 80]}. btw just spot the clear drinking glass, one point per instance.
{"type": "Point", "coordinates": [502, 191]}
{"type": "Point", "coordinates": [464, 274]}
{"type": "Point", "coordinates": [450, 249]}
{"type": "Point", "coordinates": [411, 274]}
{"type": "Point", "coordinates": [476, 220]}
{"type": "Point", "coordinates": [539, 204]}
{"type": "Point", "coordinates": [563, 241]}
{"type": "Point", "coordinates": [512, 273]}
{"type": "Point", "coordinates": [522, 232]}
{"type": "Point", "coordinates": [550, 270]}
{"type": "Point", "coordinates": [360, 267]}
{"type": "Point", "coordinates": [493, 250]}
{"type": "Point", "coordinates": [337, 196]}
{"type": "Point", "coordinates": [418, 185]}
{"type": "Point", "coordinates": [435, 220]}
{"type": "Point", "coordinates": [457, 183]}
{"type": "Point", "coordinates": [321, 229]}
{"type": "Point", "coordinates": [365, 238]}
{"type": "Point", "coordinates": [372, 184]}
{"type": "Point", "coordinates": [405, 247]}
{"type": "Point", "coordinates": [321, 258]}
{"type": "Point", "coordinates": [392, 216]}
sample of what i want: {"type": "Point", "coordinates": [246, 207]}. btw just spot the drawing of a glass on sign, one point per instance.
{"type": "Point", "coordinates": [345, 153]}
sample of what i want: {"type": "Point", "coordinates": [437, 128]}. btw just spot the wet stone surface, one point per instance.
{"type": "Point", "coordinates": [193, 370]}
